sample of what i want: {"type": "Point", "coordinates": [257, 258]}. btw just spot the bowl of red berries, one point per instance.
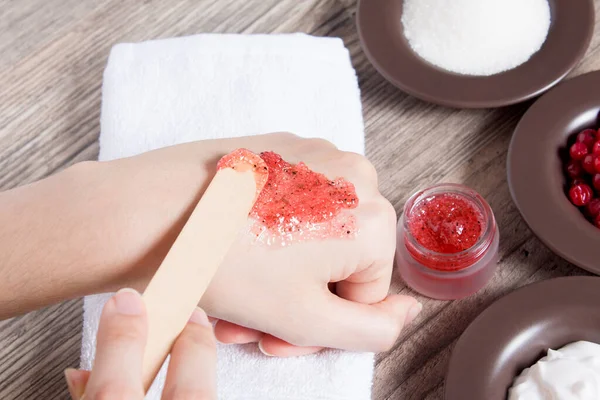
{"type": "Point", "coordinates": [553, 170]}
{"type": "Point", "coordinates": [582, 168]}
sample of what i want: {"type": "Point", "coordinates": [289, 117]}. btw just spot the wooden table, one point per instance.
{"type": "Point", "coordinates": [52, 54]}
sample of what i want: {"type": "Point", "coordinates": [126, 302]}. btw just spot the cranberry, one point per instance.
{"type": "Point", "coordinates": [593, 208]}
{"type": "Point", "coordinates": [578, 150]}
{"type": "Point", "coordinates": [597, 162]}
{"type": "Point", "coordinates": [588, 164]}
{"type": "Point", "coordinates": [596, 181]}
{"type": "Point", "coordinates": [597, 221]}
{"type": "Point", "coordinates": [574, 169]}
{"type": "Point", "coordinates": [580, 194]}
{"type": "Point", "coordinates": [578, 181]}
{"type": "Point", "coordinates": [587, 136]}
{"type": "Point", "coordinates": [596, 147]}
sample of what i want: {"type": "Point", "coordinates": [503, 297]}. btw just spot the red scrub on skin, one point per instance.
{"type": "Point", "coordinates": [242, 159]}
{"type": "Point", "coordinates": [298, 204]}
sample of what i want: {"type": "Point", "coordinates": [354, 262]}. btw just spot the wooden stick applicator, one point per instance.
{"type": "Point", "coordinates": [185, 273]}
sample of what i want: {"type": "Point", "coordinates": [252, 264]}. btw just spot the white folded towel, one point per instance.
{"type": "Point", "coordinates": [165, 92]}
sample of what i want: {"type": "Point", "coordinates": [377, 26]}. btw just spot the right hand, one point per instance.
{"type": "Point", "coordinates": [122, 335]}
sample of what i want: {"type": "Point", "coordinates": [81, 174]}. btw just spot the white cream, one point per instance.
{"type": "Point", "coordinates": [569, 373]}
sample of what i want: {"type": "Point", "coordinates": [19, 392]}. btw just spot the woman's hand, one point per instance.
{"type": "Point", "coordinates": [117, 371]}
{"type": "Point", "coordinates": [98, 227]}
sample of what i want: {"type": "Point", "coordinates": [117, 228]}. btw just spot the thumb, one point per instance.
{"type": "Point", "coordinates": [364, 327]}
{"type": "Point", "coordinates": [369, 285]}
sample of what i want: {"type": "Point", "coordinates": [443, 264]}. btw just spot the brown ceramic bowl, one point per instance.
{"type": "Point", "coordinates": [382, 36]}
{"type": "Point", "coordinates": [535, 169]}
{"type": "Point", "coordinates": [517, 330]}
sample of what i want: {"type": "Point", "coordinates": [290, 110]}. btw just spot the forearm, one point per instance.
{"type": "Point", "coordinates": [97, 227]}
{"type": "Point", "coordinates": [37, 252]}
{"type": "Point", "coordinates": [81, 231]}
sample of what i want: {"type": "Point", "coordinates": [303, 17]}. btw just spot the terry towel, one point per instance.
{"type": "Point", "coordinates": [165, 92]}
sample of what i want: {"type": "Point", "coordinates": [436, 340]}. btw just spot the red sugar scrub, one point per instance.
{"type": "Point", "coordinates": [296, 203]}
{"type": "Point", "coordinates": [446, 223]}
{"type": "Point", "coordinates": [447, 242]}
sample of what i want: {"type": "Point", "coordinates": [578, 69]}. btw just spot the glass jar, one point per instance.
{"type": "Point", "coordinates": [447, 275]}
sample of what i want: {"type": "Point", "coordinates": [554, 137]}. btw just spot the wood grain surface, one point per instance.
{"type": "Point", "coordinates": [52, 54]}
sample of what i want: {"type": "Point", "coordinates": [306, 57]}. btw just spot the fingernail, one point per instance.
{"type": "Point", "coordinates": [413, 312]}
{"type": "Point", "coordinates": [129, 302]}
{"type": "Point", "coordinates": [260, 347]}
{"type": "Point", "coordinates": [76, 387]}
{"type": "Point", "coordinates": [199, 317]}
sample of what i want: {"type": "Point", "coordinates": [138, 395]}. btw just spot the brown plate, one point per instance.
{"type": "Point", "coordinates": [535, 169]}
{"type": "Point", "coordinates": [382, 36]}
{"type": "Point", "coordinates": [517, 330]}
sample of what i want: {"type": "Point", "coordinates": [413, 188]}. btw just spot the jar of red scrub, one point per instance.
{"type": "Point", "coordinates": [447, 242]}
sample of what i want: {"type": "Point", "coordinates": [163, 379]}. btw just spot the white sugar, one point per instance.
{"type": "Point", "coordinates": [476, 37]}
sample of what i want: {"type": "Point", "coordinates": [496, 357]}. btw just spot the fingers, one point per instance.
{"type": "Point", "coordinates": [229, 333]}
{"type": "Point", "coordinates": [192, 369]}
{"type": "Point", "coordinates": [117, 371]}
{"type": "Point", "coordinates": [346, 324]}
{"type": "Point", "coordinates": [272, 346]}
{"type": "Point", "coordinates": [371, 285]}
{"type": "Point", "coordinates": [76, 381]}
{"type": "Point", "coordinates": [363, 327]}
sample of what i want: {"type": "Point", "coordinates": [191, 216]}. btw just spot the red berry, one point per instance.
{"type": "Point", "coordinates": [597, 221]}
{"type": "Point", "coordinates": [578, 181]}
{"type": "Point", "coordinates": [587, 136]}
{"type": "Point", "coordinates": [593, 208]}
{"type": "Point", "coordinates": [574, 169]}
{"type": "Point", "coordinates": [596, 181]}
{"type": "Point", "coordinates": [578, 151]}
{"type": "Point", "coordinates": [597, 162]}
{"type": "Point", "coordinates": [596, 147]}
{"type": "Point", "coordinates": [588, 164]}
{"type": "Point", "coordinates": [581, 194]}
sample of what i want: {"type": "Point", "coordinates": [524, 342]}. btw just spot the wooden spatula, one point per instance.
{"type": "Point", "coordinates": [185, 273]}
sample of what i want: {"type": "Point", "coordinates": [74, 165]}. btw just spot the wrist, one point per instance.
{"type": "Point", "coordinates": [152, 196]}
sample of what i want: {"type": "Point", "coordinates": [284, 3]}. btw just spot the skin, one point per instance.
{"type": "Point", "coordinates": [102, 226]}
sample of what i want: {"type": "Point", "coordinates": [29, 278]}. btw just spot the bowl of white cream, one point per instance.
{"type": "Point", "coordinates": [570, 372]}
{"type": "Point", "coordinates": [540, 342]}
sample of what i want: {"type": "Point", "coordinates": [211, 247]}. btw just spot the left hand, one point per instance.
{"type": "Point", "coordinates": [281, 291]}
{"type": "Point", "coordinates": [117, 220]}
{"type": "Point", "coordinates": [117, 371]}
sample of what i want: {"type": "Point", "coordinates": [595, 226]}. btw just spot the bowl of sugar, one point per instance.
{"type": "Point", "coordinates": [475, 53]}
